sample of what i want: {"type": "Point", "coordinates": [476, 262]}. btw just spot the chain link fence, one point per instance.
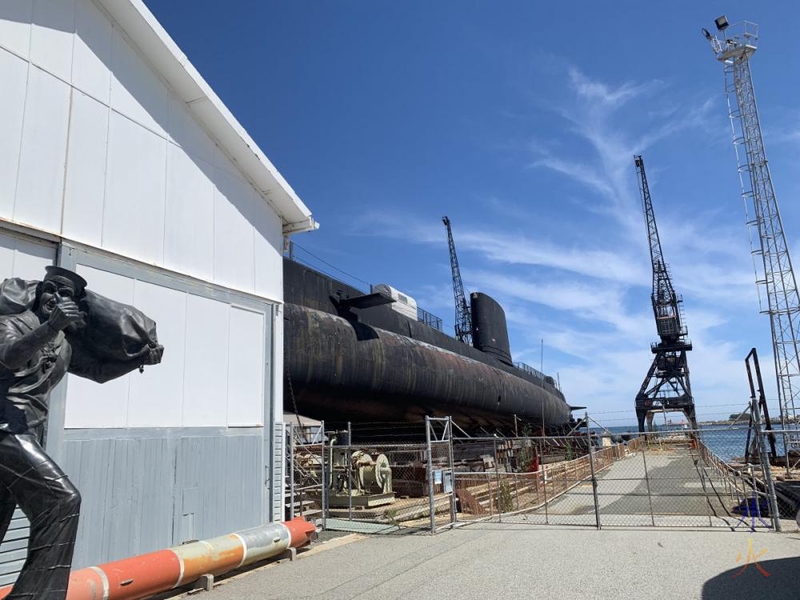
{"type": "Point", "coordinates": [665, 479]}
{"type": "Point", "coordinates": [712, 477]}
{"type": "Point", "coordinates": [373, 487]}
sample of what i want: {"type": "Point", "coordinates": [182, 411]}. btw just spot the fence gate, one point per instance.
{"type": "Point", "coordinates": [306, 472]}
{"type": "Point", "coordinates": [441, 474]}
{"type": "Point", "coordinates": [667, 479]}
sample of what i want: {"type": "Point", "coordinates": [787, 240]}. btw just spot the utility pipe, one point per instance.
{"type": "Point", "coordinates": [163, 570]}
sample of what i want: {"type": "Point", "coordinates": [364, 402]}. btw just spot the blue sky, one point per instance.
{"type": "Point", "coordinates": [519, 120]}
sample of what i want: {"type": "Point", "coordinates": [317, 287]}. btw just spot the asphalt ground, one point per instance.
{"type": "Point", "coordinates": [491, 560]}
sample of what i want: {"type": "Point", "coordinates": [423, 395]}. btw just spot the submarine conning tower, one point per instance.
{"type": "Point", "coordinates": [489, 329]}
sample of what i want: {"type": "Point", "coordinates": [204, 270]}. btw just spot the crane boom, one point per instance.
{"type": "Point", "coordinates": [463, 324]}
{"type": "Point", "coordinates": [665, 301]}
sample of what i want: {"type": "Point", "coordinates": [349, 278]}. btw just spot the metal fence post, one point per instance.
{"type": "Point", "coordinates": [591, 469]}
{"type": "Point", "coordinates": [324, 477]}
{"type": "Point", "coordinates": [647, 482]}
{"type": "Point", "coordinates": [291, 473]}
{"type": "Point", "coordinates": [431, 501]}
{"type": "Point", "coordinates": [544, 482]}
{"type": "Point", "coordinates": [451, 467]}
{"type": "Point", "coordinates": [348, 454]}
{"type": "Point", "coordinates": [497, 481]}
{"type": "Point", "coordinates": [763, 458]}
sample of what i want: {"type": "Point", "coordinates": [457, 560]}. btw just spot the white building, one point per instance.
{"type": "Point", "coordinates": [117, 160]}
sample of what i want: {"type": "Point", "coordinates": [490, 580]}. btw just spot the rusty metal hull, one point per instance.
{"type": "Point", "coordinates": [342, 369]}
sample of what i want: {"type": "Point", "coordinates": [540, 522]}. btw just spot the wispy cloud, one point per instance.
{"type": "Point", "coordinates": [597, 115]}
{"type": "Point", "coordinates": [585, 291]}
{"type": "Point", "coordinates": [607, 95]}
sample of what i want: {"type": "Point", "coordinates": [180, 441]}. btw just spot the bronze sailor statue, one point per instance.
{"type": "Point", "coordinates": [47, 329]}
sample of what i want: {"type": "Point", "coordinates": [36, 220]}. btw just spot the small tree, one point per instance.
{"type": "Point", "coordinates": [504, 500]}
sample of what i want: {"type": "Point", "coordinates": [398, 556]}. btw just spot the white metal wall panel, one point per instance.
{"type": "Point", "coordinates": [43, 153]}
{"type": "Point", "coordinates": [205, 381]}
{"type": "Point", "coordinates": [21, 257]}
{"type": "Point", "coordinates": [15, 25]}
{"type": "Point", "coordinates": [185, 132]}
{"type": "Point", "coordinates": [189, 221]}
{"type": "Point", "coordinates": [30, 259]}
{"type": "Point", "coordinates": [278, 374]}
{"type": "Point", "coordinates": [156, 395]}
{"type": "Point", "coordinates": [52, 36]}
{"type": "Point", "coordinates": [234, 251]}
{"type": "Point", "coordinates": [222, 162]}
{"type": "Point", "coordinates": [245, 368]}
{"type": "Point", "coordinates": [136, 91]}
{"type": "Point", "coordinates": [84, 191]}
{"type": "Point", "coordinates": [92, 51]}
{"type": "Point", "coordinates": [14, 75]}
{"type": "Point", "coordinates": [213, 370]}
{"type": "Point", "coordinates": [269, 253]}
{"type": "Point", "coordinates": [128, 188]}
{"type": "Point", "coordinates": [90, 404]}
{"type": "Point", "coordinates": [133, 219]}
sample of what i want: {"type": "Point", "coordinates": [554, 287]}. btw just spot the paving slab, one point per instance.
{"type": "Point", "coordinates": [502, 560]}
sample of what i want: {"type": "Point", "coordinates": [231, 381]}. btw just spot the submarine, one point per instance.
{"type": "Point", "coordinates": [375, 358]}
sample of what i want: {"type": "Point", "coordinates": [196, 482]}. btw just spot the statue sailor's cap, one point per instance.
{"type": "Point", "coordinates": [78, 282]}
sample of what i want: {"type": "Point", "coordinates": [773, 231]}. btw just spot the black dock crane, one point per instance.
{"type": "Point", "coordinates": [463, 315]}
{"type": "Point", "coordinates": [666, 387]}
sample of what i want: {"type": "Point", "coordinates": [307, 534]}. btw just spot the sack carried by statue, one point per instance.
{"type": "Point", "coordinates": [113, 331]}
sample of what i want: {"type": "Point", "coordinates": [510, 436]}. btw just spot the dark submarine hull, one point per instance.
{"type": "Point", "coordinates": [376, 365]}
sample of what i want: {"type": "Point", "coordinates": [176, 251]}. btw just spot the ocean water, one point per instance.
{"type": "Point", "coordinates": [726, 442]}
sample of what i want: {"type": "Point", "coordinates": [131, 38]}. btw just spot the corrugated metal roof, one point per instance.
{"type": "Point", "coordinates": [166, 57]}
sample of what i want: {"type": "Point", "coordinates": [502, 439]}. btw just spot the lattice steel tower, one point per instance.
{"type": "Point", "coordinates": [666, 386]}
{"type": "Point", "coordinates": [733, 47]}
{"type": "Point", "coordinates": [463, 315]}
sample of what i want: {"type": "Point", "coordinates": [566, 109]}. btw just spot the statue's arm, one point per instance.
{"type": "Point", "coordinates": [16, 348]}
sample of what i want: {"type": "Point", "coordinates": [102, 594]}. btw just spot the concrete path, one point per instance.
{"type": "Point", "coordinates": [671, 488]}
{"type": "Point", "coordinates": [496, 561]}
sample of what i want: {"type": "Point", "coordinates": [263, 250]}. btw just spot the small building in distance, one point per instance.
{"type": "Point", "coordinates": [117, 160]}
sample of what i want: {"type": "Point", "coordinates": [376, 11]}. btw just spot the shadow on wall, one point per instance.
{"type": "Point", "coordinates": [783, 581]}
{"type": "Point", "coordinates": [81, 17]}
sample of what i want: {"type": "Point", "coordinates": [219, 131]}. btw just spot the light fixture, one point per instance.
{"type": "Point", "coordinates": [721, 23]}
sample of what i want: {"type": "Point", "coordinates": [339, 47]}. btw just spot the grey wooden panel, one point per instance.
{"type": "Point", "coordinates": [220, 485]}
{"type": "Point", "coordinates": [14, 548]}
{"type": "Point", "coordinates": [279, 453]}
{"type": "Point", "coordinates": [143, 492]}
{"type": "Point", "coordinates": [127, 490]}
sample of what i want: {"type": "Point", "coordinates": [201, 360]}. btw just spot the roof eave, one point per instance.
{"type": "Point", "coordinates": [163, 53]}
